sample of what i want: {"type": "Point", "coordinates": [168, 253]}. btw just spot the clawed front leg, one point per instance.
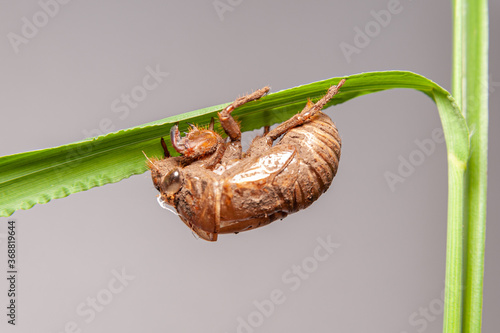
{"type": "Point", "coordinates": [197, 143]}
{"type": "Point", "coordinates": [230, 126]}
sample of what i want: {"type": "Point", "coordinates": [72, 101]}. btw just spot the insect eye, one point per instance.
{"type": "Point", "coordinates": [172, 182]}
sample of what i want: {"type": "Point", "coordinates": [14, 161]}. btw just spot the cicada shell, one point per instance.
{"type": "Point", "coordinates": [217, 189]}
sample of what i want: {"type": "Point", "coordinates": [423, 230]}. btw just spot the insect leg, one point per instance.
{"type": "Point", "coordinates": [309, 111]}
{"type": "Point", "coordinates": [165, 149]}
{"type": "Point", "coordinates": [266, 129]}
{"type": "Point", "coordinates": [211, 125]}
{"type": "Point", "coordinates": [230, 126]}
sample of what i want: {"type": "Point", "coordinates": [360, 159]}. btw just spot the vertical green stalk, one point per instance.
{"type": "Point", "coordinates": [458, 79]}
{"type": "Point", "coordinates": [454, 242]}
{"type": "Point", "coordinates": [452, 318]}
{"type": "Point", "coordinates": [454, 248]}
{"type": "Point", "coordinates": [476, 114]}
{"type": "Point", "coordinates": [470, 90]}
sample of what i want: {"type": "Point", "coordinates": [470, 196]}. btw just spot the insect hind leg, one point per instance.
{"type": "Point", "coordinates": [307, 113]}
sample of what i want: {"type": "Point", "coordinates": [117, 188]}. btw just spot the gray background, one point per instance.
{"type": "Point", "coordinates": [389, 268]}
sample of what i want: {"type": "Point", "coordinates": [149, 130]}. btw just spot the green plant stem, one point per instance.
{"type": "Point", "coordinates": [457, 57]}
{"type": "Point", "coordinates": [476, 113]}
{"type": "Point", "coordinates": [452, 317]}
{"type": "Point", "coordinates": [454, 243]}
{"type": "Point", "coordinates": [470, 90]}
{"type": "Point", "coordinates": [454, 248]}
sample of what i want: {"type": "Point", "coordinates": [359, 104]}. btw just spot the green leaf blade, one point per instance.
{"type": "Point", "coordinates": [39, 176]}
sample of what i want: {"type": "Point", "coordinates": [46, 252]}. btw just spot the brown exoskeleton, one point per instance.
{"type": "Point", "coordinates": [218, 189]}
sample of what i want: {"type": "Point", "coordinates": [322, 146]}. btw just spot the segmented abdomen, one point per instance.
{"type": "Point", "coordinates": [315, 164]}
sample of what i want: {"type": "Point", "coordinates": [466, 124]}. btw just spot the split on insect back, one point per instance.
{"type": "Point", "coordinates": [216, 188]}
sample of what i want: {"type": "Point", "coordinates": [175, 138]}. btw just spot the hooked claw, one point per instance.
{"type": "Point", "coordinates": [179, 144]}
